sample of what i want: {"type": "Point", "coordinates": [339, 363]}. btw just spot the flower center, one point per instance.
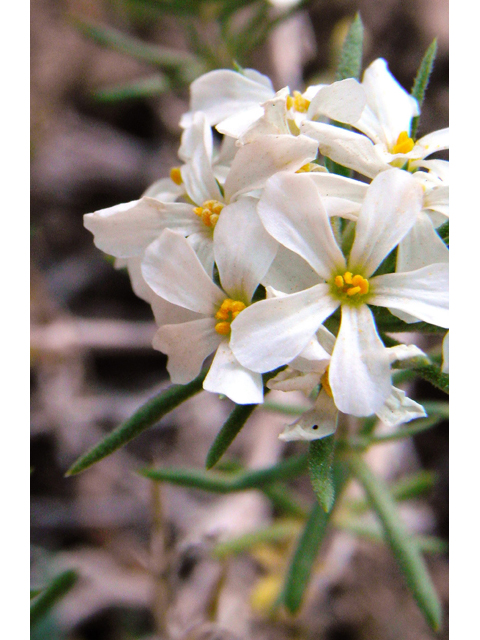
{"type": "Point", "coordinates": [326, 384]}
{"type": "Point", "coordinates": [227, 313]}
{"type": "Point", "coordinates": [404, 143]}
{"type": "Point", "coordinates": [176, 176]}
{"type": "Point", "coordinates": [209, 212]}
{"type": "Point", "coordinates": [352, 286]}
{"type": "Point", "coordinates": [297, 102]}
{"type": "Point", "coordinates": [310, 166]}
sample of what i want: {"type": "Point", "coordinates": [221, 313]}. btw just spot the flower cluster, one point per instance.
{"type": "Point", "coordinates": [247, 249]}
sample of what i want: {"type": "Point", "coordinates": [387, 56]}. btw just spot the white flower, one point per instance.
{"type": "Point", "coordinates": [125, 231]}
{"type": "Point", "coordinates": [309, 370]}
{"type": "Point", "coordinates": [385, 124]}
{"type": "Point", "coordinates": [173, 271]}
{"type": "Point", "coordinates": [273, 332]}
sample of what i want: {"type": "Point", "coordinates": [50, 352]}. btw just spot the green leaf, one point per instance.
{"type": "Point", "coordinates": [229, 482]}
{"type": "Point", "coordinates": [402, 544]}
{"type": "Point", "coordinates": [301, 565]}
{"type": "Point", "coordinates": [229, 431]}
{"type": "Point", "coordinates": [277, 532]}
{"type": "Point", "coordinates": [148, 415]}
{"type": "Point", "coordinates": [421, 81]}
{"type": "Point", "coordinates": [34, 593]}
{"type": "Point", "coordinates": [145, 88]}
{"type": "Point", "coordinates": [320, 466]}
{"type": "Point", "coordinates": [443, 232]}
{"type": "Point", "coordinates": [350, 63]}
{"type": "Point", "coordinates": [49, 596]}
{"type": "Point", "coordinates": [433, 374]}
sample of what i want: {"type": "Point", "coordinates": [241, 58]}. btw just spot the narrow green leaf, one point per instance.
{"type": "Point", "coordinates": [407, 488]}
{"type": "Point", "coordinates": [49, 596]}
{"type": "Point", "coordinates": [418, 426]}
{"type": "Point", "coordinates": [277, 532]}
{"type": "Point", "coordinates": [443, 232]}
{"type": "Point", "coordinates": [145, 88]}
{"type": "Point", "coordinates": [229, 482]}
{"type": "Point", "coordinates": [350, 63]}
{"type": "Point", "coordinates": [229, 431]}
{"type": "Point", "coordinates": [287, 409]}
{"type": "Point", "coordinates": [404, 548]}
{"type": "Point", "coordinates": [433, 374]}
{"type": "Point", "coordinates": [301, 565]}
{"type": "Point", "coordinates": [320, 467]}
{"type": "Point", "coordinates": [421, 81]}
{"type": "Point", "coordinates": [283, 501]}
{"type": "Point", "coordinates": [148, 415]}
{"type": "Point", "coordinates": [34, 593]}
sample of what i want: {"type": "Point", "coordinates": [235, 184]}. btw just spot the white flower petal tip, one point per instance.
{"type": "Point", "coordinates": [407, 353]}
{"type": "Point", "coordinates": [445, 353]}
{"type": "Point", "coordinates": [310, 426]}
{"type": "Point", "coordinates": [398, 409]}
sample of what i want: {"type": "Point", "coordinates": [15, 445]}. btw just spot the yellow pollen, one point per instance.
{"type": "Point", "coordinates": [175, 175]}
{"type": "Point", "coordinates": [298, 102]}
{"type": "Point", "coordinates": [351, 285]}
{"type": "Point", "coordinates": [209, 212]}
{"type": "Point", "coordinates": [326, 384]}
{"type": "Point", "coordinates": [404, 143]}
{"type": "Point", "coordinates": [229, 310]}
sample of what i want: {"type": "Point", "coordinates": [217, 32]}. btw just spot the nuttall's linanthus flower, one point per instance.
{"type": "Point", "coordinates": [239, 102]}
{"type": "Point", "coordinates": [385, 125]}
{"type": "Point", "coordinates": [126, 230]}
{"type": "Point", "coordinates": [243, 253]}
{"type": "Point", "coordinates": [310, 369]}
{"type": "Point", "coordinates": [273, 332]}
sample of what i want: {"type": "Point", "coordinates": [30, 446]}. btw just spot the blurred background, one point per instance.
{"type": "Point", "coordinates": [109, 82]}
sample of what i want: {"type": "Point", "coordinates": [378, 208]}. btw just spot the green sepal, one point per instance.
{"type": "Point", "coordinates": [50, 595]}
{"type": "Point", "coordinates": [320, 467]}
{"type": "Point", "coordinates": [350, 63]}
{"type": "Point", "coordinates": [148, 415]}
{"type": "Point", "coordinates": [421, 82]}
{"type": "Point", "coordinates": [402, 544]}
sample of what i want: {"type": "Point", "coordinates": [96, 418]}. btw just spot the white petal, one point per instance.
{"type": "Point", "coordinates": [421, 246]}
{"type": "Point", "coordinates": [197, 173]}
{"type": "Point", "coordinates": [239, 233]}
{"type": "Point", "coordinates": [165, 190]}
{"type": "Point", "coordinates": [292, 380]}
{"type": "Point", "coordinates": [432, 142]}
{"type": "Point", "coordinates": [272, 332]}
{"type": "Point", "coordinates": [202, 243]}
{"type": "Point", "coordinates": [125, 230]}
{"type": "Point", "coordinates": [422, 293]}
{"type": "Point", "coordinates": [314, 424]}
{"type": "Point", "coordinates": [273, 120]}
{"type": "Point", "coordinates": [332, 185]}
{"type": "Point", "coordinates": [290, 273]}
{"type": "Point", "coordinates": [398, 409]}
{"type": "Point", "coordinates": [222, 93]}
{"type": "Point", "coordinates": [168, 313]}
{"type": "Point", "coordinates": [359, 372]}
{"type": "Point", "coordinates": [237, 124]}
{"type": "Point", "coordinates": [227, 376]}
{"type": "Point", "coordinates": [392, 105]}
{"type": "Point", "coordinates": [293, 213]}
{"type": "Point", "coordinates": [139, 286]}
{"type": "Point", "coordinates": [187, 345]}
{"type": "Point", "coordinates": [172, 269]}
{"type": "Point", "coordinates": [343, 101]}
{"type": "Point", "coordinates": [402, 352]}
{"type": "Point", "coordinates": [256, 161]}
{"type": "Point", "coordinates": [390, 208]}
{"type": "Point", "coordinates": [437, 199]}
{"type": "Point", "coordinates": [350, 149]}
{"type": "Point", "coordinates": [198, 134]}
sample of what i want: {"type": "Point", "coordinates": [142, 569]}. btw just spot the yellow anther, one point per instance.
{"type": "Point", "coordinates": [404, 143]}
{"type": "Point", "coordinates": [353, 291]}
{"type": "Point", "coordinates": [223, 328]}
{"type": "Point", "coordinates": [310, 166]}
{"type": "Point", "coordinates": [229, 310]}
{"type": "Point", "coordinates": [298, 102]}
{"type": "Point", "coordinates": [326, 384]}
{"type": "Point", "coordinates": [175, 175]}
{"type": "Point", "coordinates": [209, 212]}
{"type": "Point", "coordinates": [351, 284]}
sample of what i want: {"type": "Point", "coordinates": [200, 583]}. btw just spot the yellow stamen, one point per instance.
{"type": "Point", "coordinates": [404, 143]}
{"type": "Point", "coordinates": [175, 175]}
{"type": "Point", "coordinates": [298, 102]}
{"type": "Point", "coordinates": [351, 284]}
{"type": "Point", "coordinates": [326, 384]}
{"type": "Point", "coordinates": [310, 166]}
{"type": "Point", "coordinates": [229, 310]}
{"type": "Point", "coordinates": [209, 212]}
